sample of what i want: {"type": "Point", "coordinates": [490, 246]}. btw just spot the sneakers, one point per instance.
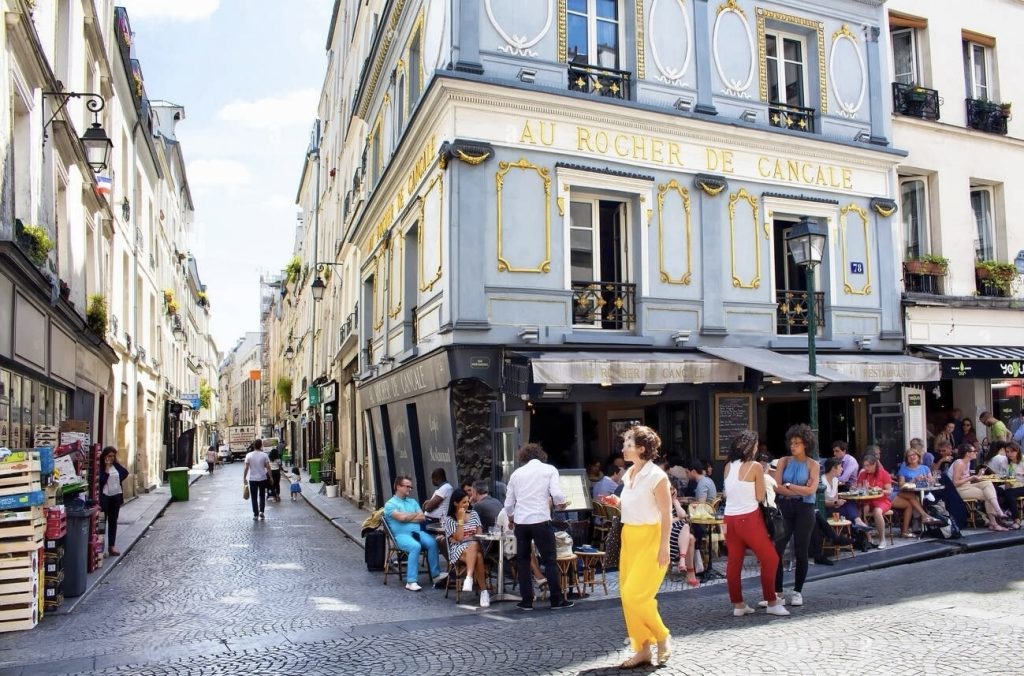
{"type": "Point", "coordinates": [764, 604]}
{"type": "Point", "coordinates": [485, 599]}
{"type": "Point", "coordinates": [881, 544]}
{"type": "Point", "coordinates": [797, 599]}
{"type": "Point", "coordinates": [566, 603]}
{"type": "Point", "coordinates": [412, 586]}
{"type": "Point", "coordinates": [439, 578]}
{"type": "Point", "coordinates": [255, 517]}
{"type": "Point", "coordinates": [777, 610]}
{"type": "Point", "coordinates": [261, 516]}
{"type": "Point", "coordinates": [524, 605]}
{"type": "Point", "coordinates": [740, 612]}
{"type": "Point", "coordinates": [467, 584]}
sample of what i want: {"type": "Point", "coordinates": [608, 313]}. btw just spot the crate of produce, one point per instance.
{"type": "Point", "coordinates": [20, 462]}
{"type": "Point", "coordinates": [22, 499]}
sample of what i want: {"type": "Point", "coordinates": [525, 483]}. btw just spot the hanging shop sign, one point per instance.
{"type": "Point", "coordinates": [958, 369]}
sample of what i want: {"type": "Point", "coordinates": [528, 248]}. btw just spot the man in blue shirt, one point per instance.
{"type": "Point", "coordinates": [405, 520]}
{"type": "Point", "coordinates": [610, 483]}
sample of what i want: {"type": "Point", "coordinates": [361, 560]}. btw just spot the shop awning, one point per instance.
{"type": "Point", "coordinates": [625, 368]}
{"type": "Point", "coordinates": [788, 368]}
{"type": "Point", "coordinates": [883, 368]}
{"type": "Point", "coordinates": [978, 361]}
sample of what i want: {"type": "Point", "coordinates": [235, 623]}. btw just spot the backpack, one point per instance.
{"type": "Point", "coordinates": [948, 530]}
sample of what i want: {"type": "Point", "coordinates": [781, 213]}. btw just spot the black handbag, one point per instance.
{"type": "Point", "coordinates": [773, 522]}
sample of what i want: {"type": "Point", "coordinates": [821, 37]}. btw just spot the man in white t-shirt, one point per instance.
{"type": "Point", "coordinates": [257, 472]}
{"type": "Point", "coordinates": [436, 506]}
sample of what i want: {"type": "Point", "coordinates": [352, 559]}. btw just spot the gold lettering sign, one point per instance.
{"type": "Point", "coordinates": [807, 173]}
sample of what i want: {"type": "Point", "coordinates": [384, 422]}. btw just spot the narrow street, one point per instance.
{"type": "Point", "coordinates": [210, 591]}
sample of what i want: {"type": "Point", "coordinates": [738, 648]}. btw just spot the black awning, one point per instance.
{"type": "Point", "coordinates": [978, 361]}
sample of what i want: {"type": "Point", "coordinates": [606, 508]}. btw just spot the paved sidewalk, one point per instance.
{"type": "Point", "coordinates": [134, 520]}
{"type": "Point", "coordinates": [342, 514]}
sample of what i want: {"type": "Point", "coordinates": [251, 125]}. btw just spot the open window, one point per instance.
{"type": "Point", "coordinates": [604, 296]}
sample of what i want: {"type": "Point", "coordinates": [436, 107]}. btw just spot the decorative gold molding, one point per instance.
{"type": "Point", "coordinates": [378, 306]}
{"type": "Point", "coordinates": [388, 36]}
{"type": "Point", "coordinates": [417, 30]}
{"type": "Point", "coordinates": [684, 195]}
{"type": "Point", "coordinates": [730, 4]}
{"type": "Point", "coordinates": [817, 26]}
{"type": "Point", "coordinates": [499, 178]}
{"type": "Point", "coordinates": [395, 253]}
{"type": "Point", "coordinates": [844, 30]}
{"type": "Point", "coordinates": [882, 210]}
{"type": "Point", "coordinates": [563, 37]}
{"type": "Point", "coordinates": [847, 287]}
{"type": "Point", "coordinates": [641, 56]}
{"type": "Point", "coordinates": [472, 159]}
{"type": "Point", "coordinates": [755, 282]}
{"type": "Point", "coordinates": [560, 201]}
{"type": "Point", "coordinates": [438, 180]}
{"type": "Point", "coordinates": [710, 190]}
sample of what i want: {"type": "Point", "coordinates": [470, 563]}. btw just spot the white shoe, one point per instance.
{"type": "Point", "coordinates": [797, 599]}
{"type": "Point", "coordinates": [467, 584]}
{"type": "Point", "coordinates": [438, 579]}
{"type": "Point", "coordinates": [764, 604]}
{"type": "Point", "coordinates": [881, 544]}
{"type": "Point", "coordinates": [740, 612]}
{"type": "Point", "coordinates": [485, 599]}
{"type": "Point", "coordinates": [412, 586]}
{"type": "Point", "coordinates": [777, 610]}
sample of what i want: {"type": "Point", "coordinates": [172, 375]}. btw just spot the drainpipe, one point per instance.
{"type": "Point", "coordinates": [314, 154]}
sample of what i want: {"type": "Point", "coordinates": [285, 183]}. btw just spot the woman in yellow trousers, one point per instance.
{"type": "Point", "coordinates": [643, 561]}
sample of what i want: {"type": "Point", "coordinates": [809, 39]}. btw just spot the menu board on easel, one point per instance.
{"type": "Point", "coordinates": [734, 413]}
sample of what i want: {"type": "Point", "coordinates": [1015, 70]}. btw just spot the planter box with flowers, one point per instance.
{"type": "Point", "coordinates": [932, 266]}
{"type": "Point", "coordinates": [35, 241]}
{"type": "Point", "coordinates": [995, 278]}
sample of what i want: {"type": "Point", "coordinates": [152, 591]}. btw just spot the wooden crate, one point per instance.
{"type": "Point", "coordinates": [27, 487]}
{"type": "Point", "coordinates": [19, 616]}
{"type": "Point", "coordinates": [15, 467]}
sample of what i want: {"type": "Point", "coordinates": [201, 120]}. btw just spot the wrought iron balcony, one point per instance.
{"type": "Point", "coordinates": [987, 116]}
{"type": "Point", "coordinates": [791, 315]}
{"type": "Point", "coordinates": [350, 325]}
{"type": "Point", "coordinates": [609, 82]}
{"type": "Point", "coordinates": [791, 117]}
{"type": "Point", "coordinates": [605, 305]}
{"type": "Point", "coordinates": [915, 101]}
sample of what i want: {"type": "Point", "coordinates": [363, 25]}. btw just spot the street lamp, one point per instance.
{"type": "Point", "coordinates": [318, 286]}
{"type": "Point", "coordinates": [806, 242]}
{"type": "Point", "coordinates": [95, 140]}
{"type": "Point", "coordinates": [289, 354]}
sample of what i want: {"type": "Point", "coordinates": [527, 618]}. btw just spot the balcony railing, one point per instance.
{"type": "Point", "coordinates": [604, 305]}
{"type": "Point", "coordinates": [987, 116]}
{"type": "Point", "coordinates": [791, 315]}
{"type": "Point", "coordinates": [350, 325]}
{"type": "Point", "coordinates": [915, 101]}
{"type": "Point", "coordinates": [609, 82]}
{"type": "Point", "coordinates": [791, 117]}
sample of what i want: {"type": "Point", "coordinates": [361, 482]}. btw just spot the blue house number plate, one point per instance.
{"type": "Point", "coordinates": [856, 268]}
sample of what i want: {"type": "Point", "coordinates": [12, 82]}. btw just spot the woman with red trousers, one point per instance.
{"type": "Point", "coordinates": [745, 529]}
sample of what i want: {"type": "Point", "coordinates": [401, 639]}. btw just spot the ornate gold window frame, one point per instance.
{"type": "Point", "coordinates": [847, 286]}
{"type": "Point", "coordinates": [416, 32]}
{"type": "Point", "coordinates": [734, 199]}
{"type": "Point", "coordinates": [378, 292]}
{"type": "Point", "coordinates": [438, 181]}
{"type": "Point", "coordinates": [544, 266]}
{"type": "Point", "coordinates": [762, 58]}
{"type": "Point", "coordinates": [684, 195]}
{"type": "Point", "coordinates": [563, 32]}
{"type": "Point", "coordinates": [396, 251]}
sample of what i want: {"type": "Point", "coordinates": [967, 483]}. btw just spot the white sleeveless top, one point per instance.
{"type": "Point", "coordinates": [739, 495]}
{"type": "Point", "coordinates": [639, 508]}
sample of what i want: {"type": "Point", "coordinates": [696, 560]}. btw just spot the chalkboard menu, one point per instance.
{"type": "Point", "coordinates": [734, 413]}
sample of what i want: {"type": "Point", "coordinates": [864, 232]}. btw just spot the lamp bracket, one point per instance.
{"type": "Point", "coordinates": [322, 265]}
{"type": "Point", "coordinates": [94, 103]}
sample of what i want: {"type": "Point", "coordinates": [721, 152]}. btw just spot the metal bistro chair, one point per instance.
{"type": "Point", "coordinates": [396, 559]}
{"type": "Point", "coordinates": [600, 524]}
{"type": "Point", "coordinates": [455, 571]}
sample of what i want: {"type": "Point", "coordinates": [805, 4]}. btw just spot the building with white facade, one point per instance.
{"type": "Point", "coordinates": [954, 76]}
{"type": "Point", "coordinates": [241, 383]}
{"type": "Point", "coordinates": [121, 286]}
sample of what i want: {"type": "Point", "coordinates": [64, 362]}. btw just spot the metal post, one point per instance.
{"type": "Point", "coordinates": [812, 331]}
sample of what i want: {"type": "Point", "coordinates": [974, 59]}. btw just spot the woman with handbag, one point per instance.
{"type": "Point", "coordinates": [745, 525]}
{"type": "Point", "coordinates": [643, 562]}
{"type": "Point", "coordinates": [798, 476]}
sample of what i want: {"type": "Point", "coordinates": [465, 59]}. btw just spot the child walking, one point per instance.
{"type": "Point", "coordinates": [295, 478]}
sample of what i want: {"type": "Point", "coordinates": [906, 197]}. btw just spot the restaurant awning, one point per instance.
{"type": "Point", "coordinates": [626, 368]}
{"type": "Point", "coordinates": [787, 368]}
{"type": "Point", "coordinates": [882, 368]}
{"type": "Point", "coordinates": [977, 361]}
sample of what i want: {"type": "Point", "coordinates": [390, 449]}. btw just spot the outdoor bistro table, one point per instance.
{"type": "Point", "coordinates": [487, 539]}
{"type": "Point", "coordinates": [711, 525]}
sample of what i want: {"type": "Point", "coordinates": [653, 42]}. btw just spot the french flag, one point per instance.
{"type": "Point", "coordinates": [103, 185]}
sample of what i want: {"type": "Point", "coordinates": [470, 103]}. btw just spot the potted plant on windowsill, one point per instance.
{"type": "Point", "coordinates": [997, 276]}
{"type": "Point", "coordinates": [928, 265]}
{"type": "Point", "coordinates": [96, 314]}
{"type": "Point", "coordinates": [35, 242]}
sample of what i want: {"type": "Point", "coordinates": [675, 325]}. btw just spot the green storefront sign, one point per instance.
{"type": "Point", "coordinates": [314, 396]}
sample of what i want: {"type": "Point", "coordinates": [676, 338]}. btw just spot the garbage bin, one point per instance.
{"type": "Point", "coordinates": [178, 478]}
{"type": "Point", "coordinates": [76, 547]}
{"type": "Point", "coordinates": [314, 470]}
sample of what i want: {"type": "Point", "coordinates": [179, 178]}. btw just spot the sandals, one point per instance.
{"type": "Point", "coordinates": [993, 526]}
{"type": "Point", "coordinates": [642, 656]}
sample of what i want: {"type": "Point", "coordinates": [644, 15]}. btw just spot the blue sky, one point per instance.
{"type": "Point", "coordinates": [248, 73]}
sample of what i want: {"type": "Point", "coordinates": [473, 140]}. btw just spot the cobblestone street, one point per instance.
{"type": "Point", "coordinates": [210, 591]}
